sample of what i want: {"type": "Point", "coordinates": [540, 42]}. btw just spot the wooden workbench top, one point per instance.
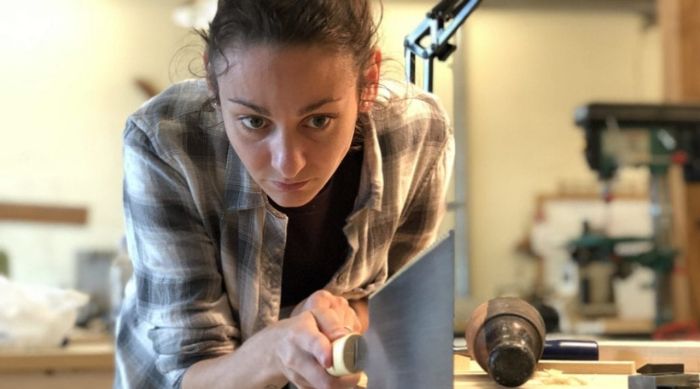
{"type": "Point", "coordinates": [468, 374]}
{"type": "Point", "coordinates": [98, 356]}
{"type": "Point", "coordinates": [618, 360]}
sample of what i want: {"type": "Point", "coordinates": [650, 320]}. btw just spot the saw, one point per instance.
{"type": "Point", "coordinates": [409, 340]}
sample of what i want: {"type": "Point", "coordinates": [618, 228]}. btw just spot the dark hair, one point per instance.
{"type": "Point", "coordinates": [341, 25]}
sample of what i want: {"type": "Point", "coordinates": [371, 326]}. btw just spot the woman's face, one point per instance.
{"type": "Point", "coordinates": [290, 115]}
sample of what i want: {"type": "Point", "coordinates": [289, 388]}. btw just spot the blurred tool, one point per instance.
{"type": "Point", "coordinates": [4, 264]}
{"type": "Point", "coordinates": [594, 250]}
{"type": "Point", "coordinates": [666, 376]}
{"type": "Point", "coordinates": [640, 135]}
{"type": "Point", "coordinates": [506, 337]}
{"type": "Point", "coordinates": [570, 350]}
{"type": "Point", "coordinates": [409, 340]}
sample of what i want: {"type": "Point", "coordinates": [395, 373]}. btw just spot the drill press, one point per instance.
{"type": "Point", "coordinates": [655, 137]}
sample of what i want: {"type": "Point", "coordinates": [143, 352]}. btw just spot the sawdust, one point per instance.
{"type": "Point", "coordinates": [556, 377]}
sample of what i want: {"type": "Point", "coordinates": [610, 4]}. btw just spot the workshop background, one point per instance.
{"type": "Point", "coordinates": [75, 69]}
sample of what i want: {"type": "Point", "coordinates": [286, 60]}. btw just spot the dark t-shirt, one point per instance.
{"type": "Point", "coordinates": [316, 245]}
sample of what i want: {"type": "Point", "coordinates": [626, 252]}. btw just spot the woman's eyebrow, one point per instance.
{"type": "Point", "coordinates": [305, 110]}
{"type": "Point", "coordinates": [318, 104]}
{"type": "Point", "coordinates": [256, 108]}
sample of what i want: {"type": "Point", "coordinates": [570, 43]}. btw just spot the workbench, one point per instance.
{"type": "Point", "coordinates": [618, 360]}
{"type": "Point", "coordinates": [79, 365]}
{"type": "Point", "coordinates": [91, 365]}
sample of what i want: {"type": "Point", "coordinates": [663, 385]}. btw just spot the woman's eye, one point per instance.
{"type": "Point", "coordinates": [253, 122]}
{"type": "Point", "coordinates": [318, 122]}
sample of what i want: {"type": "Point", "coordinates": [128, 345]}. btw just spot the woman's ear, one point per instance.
{"type": "Point", "coordinates": [371, 81]}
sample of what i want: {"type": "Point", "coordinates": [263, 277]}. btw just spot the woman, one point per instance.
{"type": "Point", "coordinates": [265, 204]}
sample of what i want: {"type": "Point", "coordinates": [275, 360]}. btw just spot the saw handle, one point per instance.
{"type": "Point", "coordinates": [345, 355]}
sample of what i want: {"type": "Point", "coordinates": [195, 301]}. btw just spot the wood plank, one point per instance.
{"type": "Point", "coordinates": [541, 381]}
{"type": "Point", "coordinates": [85, 357]}
{"type": "Point", "coordinates": [680, 31]}
{"type": "Point", "coordinates": [58, 380]}
{"type": "Point", "coordinates": [589, 367]}
{"type": "Point", "coordinates": [679, 22]}
{"type": "Point", "coordinates": [468, 374]}
{"type": "Point", "coordinates": [465, 365]}
{"type": "Point", "coordinates": [551, 374]}
{"type": "Point", "coordinates": [680, 283]}
{"type": "Point", "coordinates": [692, 257]}
{"type": "Point", "coordinates": [643, 352]}
{"type": "Point", "coordinates": [43, 213]}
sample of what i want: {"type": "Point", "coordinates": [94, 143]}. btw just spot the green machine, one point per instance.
{"type": "Point", "coordinates": [639, 135]}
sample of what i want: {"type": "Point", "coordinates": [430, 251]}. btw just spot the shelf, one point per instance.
{"type": "Point", "coordinates": [43, 213]}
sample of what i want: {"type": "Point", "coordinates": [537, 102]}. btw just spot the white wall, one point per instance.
{"type": "Point", "coordinates": [68, 68]}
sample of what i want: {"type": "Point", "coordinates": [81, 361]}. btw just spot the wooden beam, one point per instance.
{"type": "Point", "coordinates": [81, 357]}
{"type": "Point", "coordinates": [43, 213]}
{"type": "Point", "coordinates": [643, 352]}
{"type": "Point", "coordinates": [680, 31]}
{"type": "Point", "coordinates": [679, 22]}
{"type": "Point", "coordinates": [692, 263]}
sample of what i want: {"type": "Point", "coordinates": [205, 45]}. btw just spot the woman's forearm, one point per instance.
{"type": "Point", "coordinates": [250, 366]}
{"type": "Point", "coordinates": [297, 349]}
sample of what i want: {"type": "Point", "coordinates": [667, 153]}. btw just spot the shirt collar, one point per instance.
{"type": "Point", "coordinates": [372, 180]}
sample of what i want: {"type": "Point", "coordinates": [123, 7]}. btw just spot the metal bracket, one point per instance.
{"type": "Point", "coordinates": [440, 24]}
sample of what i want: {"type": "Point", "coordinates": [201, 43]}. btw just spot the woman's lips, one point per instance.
{"type": "Point", "coordinates": [289, 186]}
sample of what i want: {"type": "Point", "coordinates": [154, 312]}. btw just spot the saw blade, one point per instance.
{"type": "Point", "coordinates": [409, 339]}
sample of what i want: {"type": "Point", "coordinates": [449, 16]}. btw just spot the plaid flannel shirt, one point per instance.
{"type": "Point", "coordinates": [207, 246]}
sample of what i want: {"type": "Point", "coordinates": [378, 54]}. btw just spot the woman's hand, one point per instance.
{"type": "Point", "coordinates": [296, 350]}
{"type": "Point", "coordinates": [305, 341]}
{"type": "Point", "coordinates": [334, 312]}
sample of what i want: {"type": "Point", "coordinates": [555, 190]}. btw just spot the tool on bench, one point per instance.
{"type": "Point", "coordinates": [506, 337]}
{"type": "Point", "coordinates": [570, 350]}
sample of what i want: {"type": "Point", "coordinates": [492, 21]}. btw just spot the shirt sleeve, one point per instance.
{"type": "Point", "coordinates": [425, 209]}
{"type": "Point", "coordinates": [179, 290]}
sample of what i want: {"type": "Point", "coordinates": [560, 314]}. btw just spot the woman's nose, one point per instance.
{"type": "Point", "coordinates": [287, 155]}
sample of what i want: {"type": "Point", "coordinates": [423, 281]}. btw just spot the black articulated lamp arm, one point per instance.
{"type": "Point", "coordinates": [440, 24]}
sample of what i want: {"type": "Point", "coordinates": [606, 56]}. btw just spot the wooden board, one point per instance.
{"type": "Point", "coordinates": [679, 22]}
{"type": "Point", "coordinates": [549, 374]}
{"type": "Point", "coordinates": [464, 365]}
{"type": "Point", "coordinates": [643, 352]}
{"type": "Point", "coordinates": [83, 357]}
{"type": "Point", "coordinates": [692, 258]}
